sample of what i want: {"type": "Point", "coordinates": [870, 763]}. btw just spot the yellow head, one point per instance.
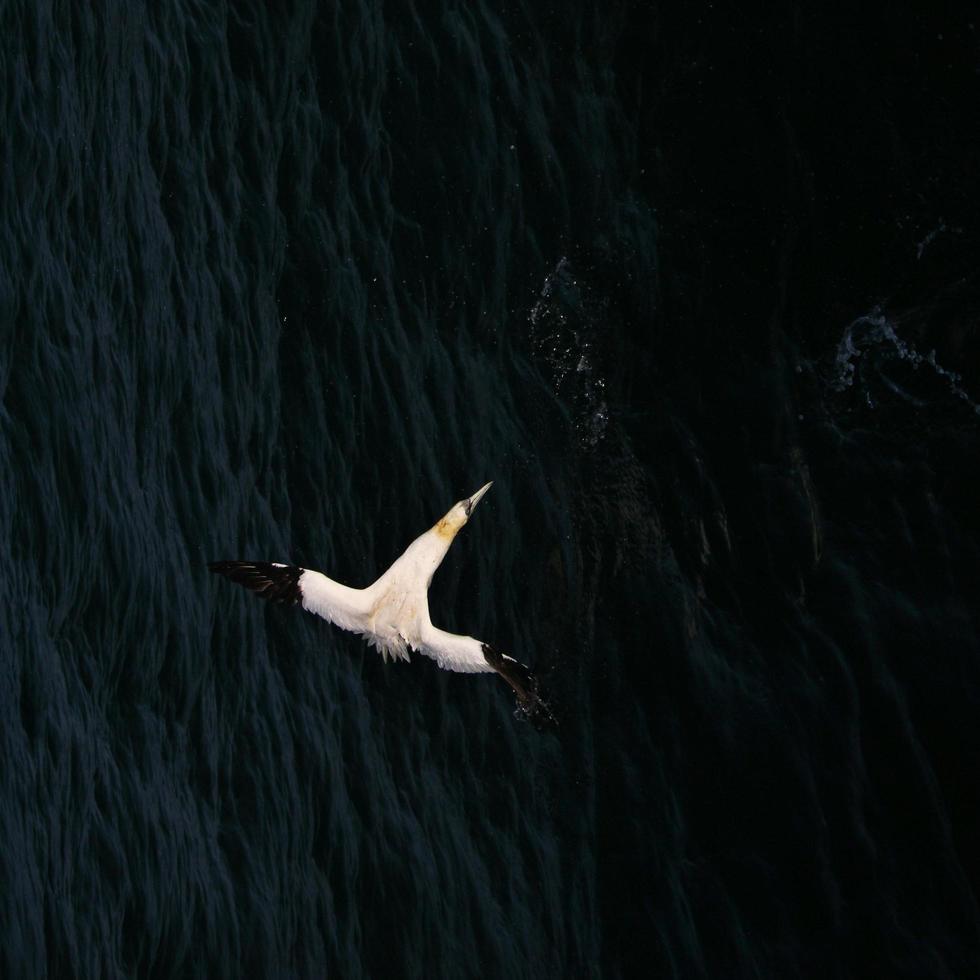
{"type": "Point", "coordinates": [459, 514]}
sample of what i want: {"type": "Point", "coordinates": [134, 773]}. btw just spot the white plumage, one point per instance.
{"type": "Point", "coordinates": [392, 614]}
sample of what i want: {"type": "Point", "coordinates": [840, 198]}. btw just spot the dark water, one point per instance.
{"type": "Point", "coordinates": [698, 291]}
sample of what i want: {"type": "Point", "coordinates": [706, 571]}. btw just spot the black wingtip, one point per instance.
{"type": "Point", "coordinates": [277, 583]}
{"type": "Point", "coordinates": [537, 711]}
{"type": "Point", "coordinates": [530, 702]}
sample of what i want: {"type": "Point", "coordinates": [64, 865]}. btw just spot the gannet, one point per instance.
{"type": "Point", "coordinates": [393, 613]}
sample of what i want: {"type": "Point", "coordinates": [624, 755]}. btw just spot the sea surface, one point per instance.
{"type": "Point", "coordinates": [698, 288]}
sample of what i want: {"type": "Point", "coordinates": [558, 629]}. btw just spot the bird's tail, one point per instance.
{"type": "Point", "coordinates": [530, 701]}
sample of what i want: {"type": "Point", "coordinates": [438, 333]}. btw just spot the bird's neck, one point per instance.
{"type": "Point", "coordinates": [429, 550]}
{"type": "Point", "coordinates": [418, 563]}
{"type": "Point", "coordinates": [436, 542]}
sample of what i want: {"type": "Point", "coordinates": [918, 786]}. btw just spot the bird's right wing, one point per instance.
{"type": "Point", "coordinates": [524, 685]}
{"type": "Point", "coordinates": [344, 607]}
{"type": "Point", "coordinates": [464, 654]}
{"type": "Point", "coordinates": [453, 652]}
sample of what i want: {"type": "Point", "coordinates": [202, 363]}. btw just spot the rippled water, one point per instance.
{"type": "Point", "coordinates": [283, 282]}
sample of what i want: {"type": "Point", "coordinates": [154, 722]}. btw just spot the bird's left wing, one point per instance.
{"type": "Point", "coordinates": [344, 607]}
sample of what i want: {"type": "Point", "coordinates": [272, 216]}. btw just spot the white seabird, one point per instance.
{"type": "Point", "coordinates": [393, 613]}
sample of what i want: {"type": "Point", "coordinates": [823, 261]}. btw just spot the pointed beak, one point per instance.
{"type": "Point", "coordinates": [477, 497]}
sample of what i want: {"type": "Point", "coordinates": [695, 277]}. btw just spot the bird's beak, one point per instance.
{"type": "Point", "coordinates": [477, 497]}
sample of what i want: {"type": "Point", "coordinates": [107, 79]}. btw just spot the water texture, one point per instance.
{"type": "Point", "coordinates": [698, 293]}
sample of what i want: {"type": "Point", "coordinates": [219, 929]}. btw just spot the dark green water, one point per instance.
{"type": "Point", "coordinates": [698, 293]}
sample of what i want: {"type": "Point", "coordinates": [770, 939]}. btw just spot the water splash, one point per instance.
{"type": "Point", "coordinates": [929, 239]}
{"type": "Point", "coordinates": [871, 346]}
{"type": "Point", "coordinates": [565, 328]}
